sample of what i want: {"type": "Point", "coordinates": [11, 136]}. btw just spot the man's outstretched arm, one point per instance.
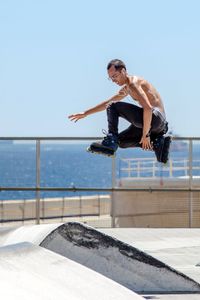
{"type": "Point", "coordinates": [81, 115]}
{"type": "Point", "coordinates": [102, 106]}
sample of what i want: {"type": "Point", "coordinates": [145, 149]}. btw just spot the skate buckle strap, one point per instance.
{"type": "Point", "coordinates": [108, 137]}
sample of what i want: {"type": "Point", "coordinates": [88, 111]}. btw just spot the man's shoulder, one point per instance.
{"type": "Point", "coordinates": [135, 79]}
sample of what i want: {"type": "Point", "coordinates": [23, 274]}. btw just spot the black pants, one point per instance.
{"type": "Point", "coordinates": [133, 114]}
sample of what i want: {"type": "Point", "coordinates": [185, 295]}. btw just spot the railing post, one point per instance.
{"type": "Point", "coordinates": [37, 213]}
{"type": "Point", "coordinates": [112, 194]}
{"type": "Point", "coordinates": [190, 183]}
{"type": "Point", "coordinates": [171, 168]}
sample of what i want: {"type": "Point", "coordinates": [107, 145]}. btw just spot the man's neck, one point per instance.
{"type": "Point", "coordinates": [129, 79]}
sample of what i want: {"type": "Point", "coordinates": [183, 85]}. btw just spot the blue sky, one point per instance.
{"type": "Point", "coordinates": [53, 59]}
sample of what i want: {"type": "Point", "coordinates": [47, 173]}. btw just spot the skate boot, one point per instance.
{"type": "Point", "coordinates": [161, 146]}
{"type": "Point", "coordinates": [107, 147]}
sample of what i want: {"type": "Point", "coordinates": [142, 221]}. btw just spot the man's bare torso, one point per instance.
{"type": "Point", "coordinates": [151, 93]}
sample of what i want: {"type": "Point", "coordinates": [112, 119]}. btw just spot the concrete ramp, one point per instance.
{"type": "Point", "coordinates": [30, 233]}
{"type": "Point", "coordinates": [117, 260]}
{"type": "Point", "coordinates": [31, 272]}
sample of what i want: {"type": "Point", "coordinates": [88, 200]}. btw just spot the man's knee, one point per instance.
{"type": "Point", "coordinates": [114, 106]}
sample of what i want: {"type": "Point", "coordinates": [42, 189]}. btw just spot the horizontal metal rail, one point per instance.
{"type": "Point", "coordinates": [51, 138]}
{"type": "Point", "coordinates": [81, 138]}
{"type": "Point", "coordinates": [81, 189]}
{"type": "Point", "coordinates": [46, 218]}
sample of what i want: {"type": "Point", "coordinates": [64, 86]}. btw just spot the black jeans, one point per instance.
{"type": "Point", "coordinates": [133, 114]}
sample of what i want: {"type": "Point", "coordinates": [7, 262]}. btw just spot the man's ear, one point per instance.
{"type": "Point", "coordinates": [123, 71]}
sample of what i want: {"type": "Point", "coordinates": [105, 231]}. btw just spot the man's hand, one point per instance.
{"type": "Point", "coordinates": [77, 117]}
{"type": "Point", "coordinates": [146, 143]}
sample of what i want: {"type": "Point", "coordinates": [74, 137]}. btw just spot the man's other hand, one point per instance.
{"type": "Point", "coordinates": [76, 117]}
{"type": "Point", "coordinates": [146, 143]}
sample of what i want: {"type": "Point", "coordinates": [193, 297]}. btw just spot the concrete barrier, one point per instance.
{"type": "Point", "coordinates": [20, 210]}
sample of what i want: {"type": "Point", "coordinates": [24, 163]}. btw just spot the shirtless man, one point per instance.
{"type": "Point", "coordinates": [147, 120]}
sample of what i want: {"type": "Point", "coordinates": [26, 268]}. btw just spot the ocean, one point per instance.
{"type": "Point", "coordinates": [70, 165]}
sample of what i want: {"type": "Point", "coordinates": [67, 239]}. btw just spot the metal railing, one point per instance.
{"type": "Point", "coordinates": [37, 188]}
{"type": "Point", "coordinates": [138, 167]}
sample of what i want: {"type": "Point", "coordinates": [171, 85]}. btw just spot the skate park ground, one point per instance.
{"type": "Point", "coordinates": [126, 263]}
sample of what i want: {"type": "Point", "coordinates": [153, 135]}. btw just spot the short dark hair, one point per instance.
{"type": "Point", "coordinates": [117, 63]}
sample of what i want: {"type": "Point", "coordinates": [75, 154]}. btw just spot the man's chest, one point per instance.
{"type": "Point", "coordinates": [133, 93]}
